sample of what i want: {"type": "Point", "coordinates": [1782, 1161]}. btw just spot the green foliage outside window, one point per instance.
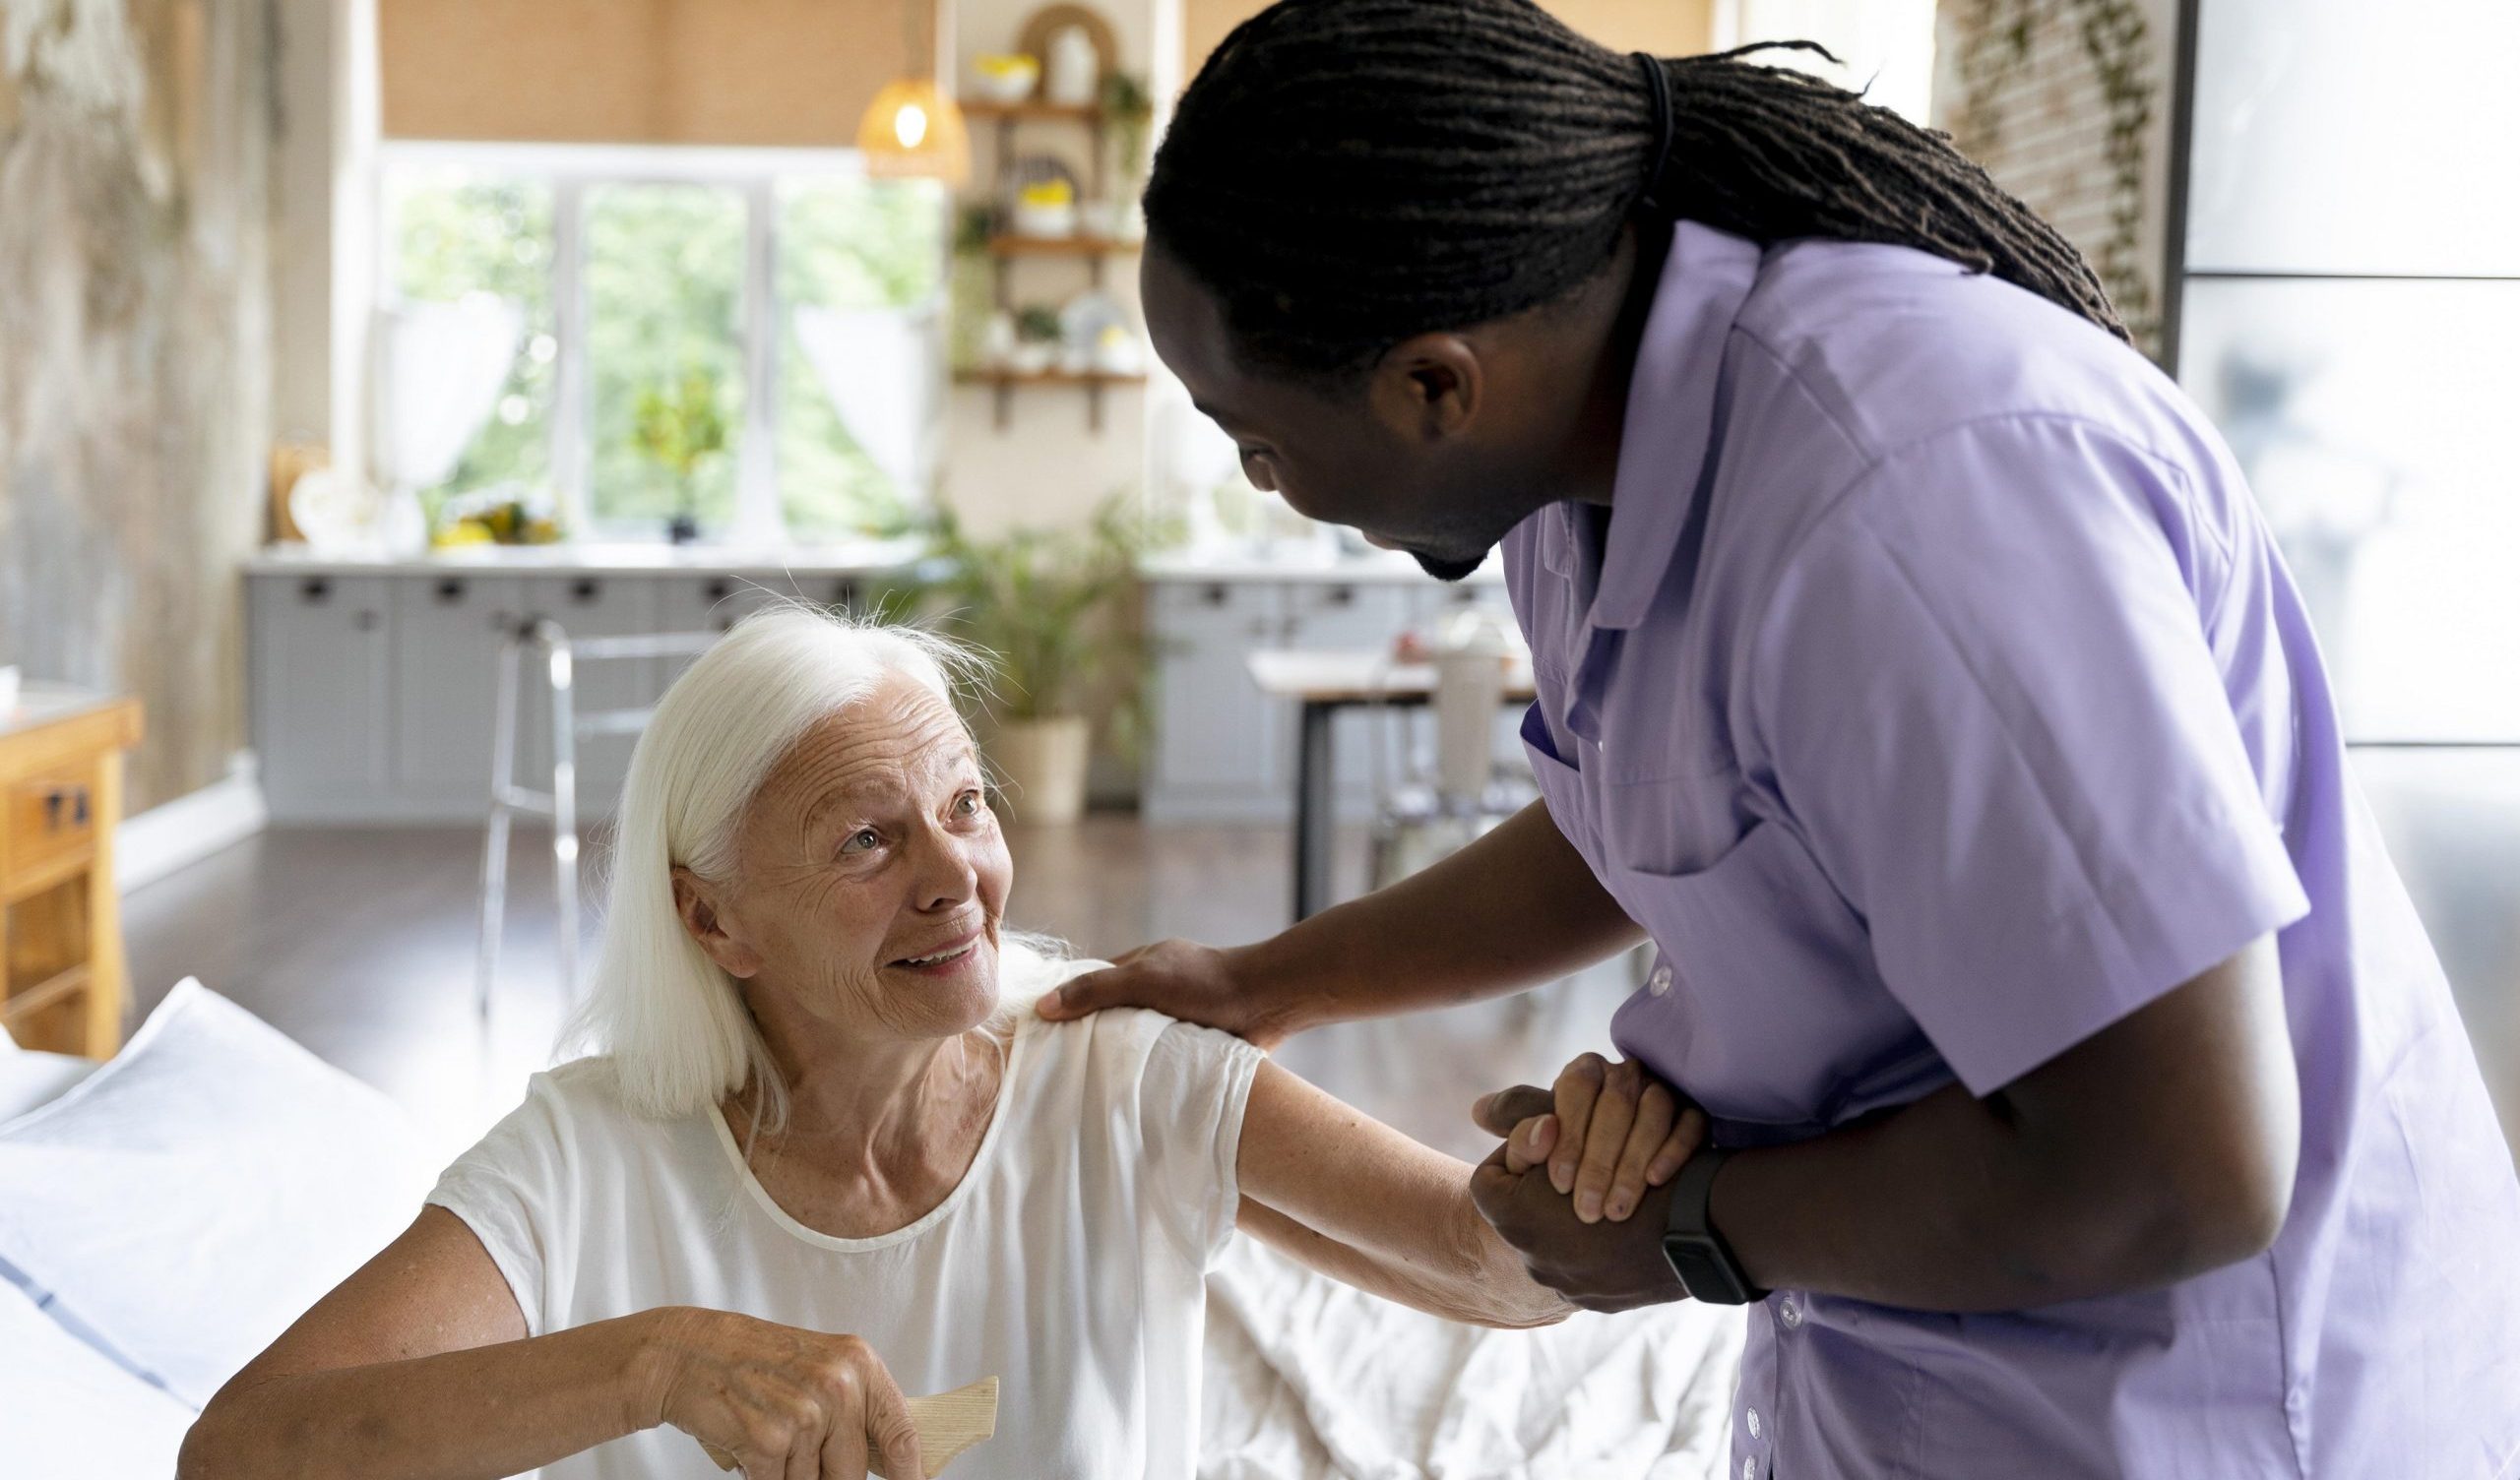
{"type": "Point", "coordinates": [665, 281]}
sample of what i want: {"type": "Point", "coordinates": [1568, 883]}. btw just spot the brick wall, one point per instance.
{"type": "Point", "coordinates": [2020, 86]}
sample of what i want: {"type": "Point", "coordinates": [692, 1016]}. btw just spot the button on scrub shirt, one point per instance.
{"type": "Point", "coordinates": [1933, 693]}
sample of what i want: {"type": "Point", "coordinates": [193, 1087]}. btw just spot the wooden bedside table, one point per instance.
{"type": "Point", "coordinates": [61, 960]}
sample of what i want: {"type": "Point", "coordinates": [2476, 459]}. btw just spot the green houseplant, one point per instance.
{"type": "Point", "coordinates": [678, 429]}
{"type": "Point", "coordinates": [1055, 610]}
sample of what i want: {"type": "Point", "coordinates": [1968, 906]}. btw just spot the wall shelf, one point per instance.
{"type": "Point", "coordinates": [1032, 112]}
{"type": "Point", "coordinates": [1010, 245]}
{"type": "Point", "coordinates": [1004, 382]}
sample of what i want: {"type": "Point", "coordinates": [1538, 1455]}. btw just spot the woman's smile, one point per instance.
{"type": "Point", "coordinates": [955, 956]}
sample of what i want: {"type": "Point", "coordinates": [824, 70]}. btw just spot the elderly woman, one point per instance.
{"type": "Point", "coordinates": [827, 1158]}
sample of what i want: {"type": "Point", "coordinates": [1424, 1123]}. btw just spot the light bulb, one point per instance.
{"type": "Point", "coordinates": [910, 125]}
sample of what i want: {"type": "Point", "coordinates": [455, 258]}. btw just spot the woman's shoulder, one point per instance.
{"type": "Point", "coordinates": [1126, 1050]}
{"type": "Point", "coordinates": [578, 1104]}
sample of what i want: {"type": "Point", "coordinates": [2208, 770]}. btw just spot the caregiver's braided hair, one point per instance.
{"type": "Point", "coordinates": [1346, 174]}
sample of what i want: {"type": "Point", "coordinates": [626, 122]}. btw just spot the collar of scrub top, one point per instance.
{"type": "Point", "coordinates": [1669, 426]}
{"type": "Point", "coordinates": [1665, 438]}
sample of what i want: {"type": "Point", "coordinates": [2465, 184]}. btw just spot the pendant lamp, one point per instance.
{"type": "Point", "coordinates": [913, 130]}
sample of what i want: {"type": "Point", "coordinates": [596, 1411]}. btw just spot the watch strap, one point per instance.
{"type": "Point", "coordinates": [1701, 1258]}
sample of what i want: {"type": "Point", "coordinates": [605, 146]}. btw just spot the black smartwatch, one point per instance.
{"type": "Point", "coordinates": [1698, 1253]}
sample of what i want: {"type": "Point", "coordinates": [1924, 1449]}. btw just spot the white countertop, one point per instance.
{"type": "Point", "coordinates": [1383, 566]}
{"type": "Point", "coordinates": [863, 557]}
{"type": "Point", "coordinates": [567, 558]}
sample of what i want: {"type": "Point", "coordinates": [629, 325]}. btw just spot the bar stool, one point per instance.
{"type": "Point", "coordinates": [557, 655]}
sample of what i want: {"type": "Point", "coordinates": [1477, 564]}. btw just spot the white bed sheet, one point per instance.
{"type": "Point", "coordinates": [1310, 1379]}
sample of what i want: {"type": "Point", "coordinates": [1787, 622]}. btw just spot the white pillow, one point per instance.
{"type": "Point", "coordinates": [185, 1203]}
{"type": "Point", "coordinates": [67, 1413]}
{"type": "Point", "coordinates": [29, 1078]}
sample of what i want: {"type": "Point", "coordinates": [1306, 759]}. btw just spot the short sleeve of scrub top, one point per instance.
{"type": "Point", "coordinates": [2018, 762]}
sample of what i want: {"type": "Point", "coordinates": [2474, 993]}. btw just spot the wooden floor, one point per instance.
{"type": "Point", "coordinates": [359, 944]}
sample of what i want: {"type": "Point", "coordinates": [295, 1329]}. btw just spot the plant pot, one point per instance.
{"type": "Point", "coordinates": [1042, 764]}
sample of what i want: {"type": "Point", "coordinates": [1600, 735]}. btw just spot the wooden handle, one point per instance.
{"type": "Point", "coordinates": [948, 1424]}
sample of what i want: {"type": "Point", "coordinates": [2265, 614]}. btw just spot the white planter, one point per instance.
{"type": "Point", "coordinates": [1041, 762]}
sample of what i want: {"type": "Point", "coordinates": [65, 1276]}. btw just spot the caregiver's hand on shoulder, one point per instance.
{"type": "Point", "coordinates": [1608, 1131]}
{"type": "Point", "coordinates": [1202, 984]}
{"type": "Point", "coordinates": [777, 1401]}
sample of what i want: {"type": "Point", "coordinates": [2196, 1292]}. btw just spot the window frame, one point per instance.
{"type": "Point", "coordinates": [571, 170]}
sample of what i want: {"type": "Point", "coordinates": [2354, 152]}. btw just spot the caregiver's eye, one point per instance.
{"type": "Point", "coordinates": [860, 840]}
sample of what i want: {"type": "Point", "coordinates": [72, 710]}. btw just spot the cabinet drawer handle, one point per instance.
{"type": "Point", "coordinates": [450, 591]}
{"type": "Point", "coordinates": [843, 593]}
{"type": "Point", "coordinates": [74, 799]}
{"type": "Point", "coordinates": [720, 590]}
{"type": "Point", "coordinates": [365, 621]}
{"type": "Point", "coordinates": [1216, 595]}
{"type": "Point", "coordinates": [585, 591]}
{"type": "Point", "coordinates": [317, 590]}
{"type": "Point", "coordinates": [1341, 596]}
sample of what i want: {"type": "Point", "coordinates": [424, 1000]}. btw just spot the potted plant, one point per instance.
{"type": "Point", "coordinates": [678, 429]}
{"type": "Point", "coordinates": [1037, 339]}
{"type": "Point", "coordinates": [1051, 608]}
{"type": "Point", "coordinates": [1127, 112]}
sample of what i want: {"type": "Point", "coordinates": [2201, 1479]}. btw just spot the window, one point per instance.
{"type": "Point", "coordinates": [620, 336]}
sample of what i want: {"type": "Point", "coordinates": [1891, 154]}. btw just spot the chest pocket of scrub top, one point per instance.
{"type": "Point", "coordinates": [1562, 787]}
{"type": "Point", "coordinates": [1765, 1005]}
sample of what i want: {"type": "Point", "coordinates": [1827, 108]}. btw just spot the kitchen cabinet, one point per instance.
{"type": "Point", "coordinates": [374, 683]}
{"type": "Point", "coordinates": [320, 684]}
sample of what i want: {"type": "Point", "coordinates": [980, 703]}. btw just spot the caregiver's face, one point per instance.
{"type": "Point", "coordinates": [1385, 456]}
{"type": "Point", "coordinates": [871, 874]}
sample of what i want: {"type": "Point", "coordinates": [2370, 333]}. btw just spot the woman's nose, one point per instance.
{"type": "Point", "coordinates": [946, 875]}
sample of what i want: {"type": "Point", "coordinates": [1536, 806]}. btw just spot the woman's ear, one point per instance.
{"type": "Point", "coordinates": [699, 904]}
{"type": "Point", "coordinates": [1426, 389]}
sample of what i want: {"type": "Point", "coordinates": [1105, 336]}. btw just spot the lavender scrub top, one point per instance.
{"type": "Point", "coordinates": [1935, 697]}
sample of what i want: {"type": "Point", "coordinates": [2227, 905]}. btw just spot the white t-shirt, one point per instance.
{"type": "Point", "coordinates": [1069, 1263]}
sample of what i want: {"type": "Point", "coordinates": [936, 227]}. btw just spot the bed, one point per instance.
{"type": "Point", "coordinates": [135, 1276]}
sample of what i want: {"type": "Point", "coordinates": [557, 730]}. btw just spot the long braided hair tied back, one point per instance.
{"type": "Point", "coordinates": [1346, 174]}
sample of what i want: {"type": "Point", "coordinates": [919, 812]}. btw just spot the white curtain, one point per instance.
{"type": "Point", "coordinates": [444, 366]}
{"type": "Point", "coordinates": [884, 369]}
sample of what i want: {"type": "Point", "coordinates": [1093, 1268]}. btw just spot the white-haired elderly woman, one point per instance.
{"type": "Point", "coordinates": [827, 1157]}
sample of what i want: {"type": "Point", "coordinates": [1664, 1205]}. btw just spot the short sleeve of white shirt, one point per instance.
{"type": "Point", "coordinates": [1190, 1103]}
{"type": "Point", "coordinates": [515, 1189]}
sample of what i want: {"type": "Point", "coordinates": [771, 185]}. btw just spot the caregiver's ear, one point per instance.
{"type": "Point", "coordinates": [698, 901]}
{"type": "Point", "coordinates": [1427, 388]}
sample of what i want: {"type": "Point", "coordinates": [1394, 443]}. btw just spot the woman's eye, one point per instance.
{"type": "Point", "coordinates": [968, 804]}
{"type": "Point", "coordinates": [860, 840]}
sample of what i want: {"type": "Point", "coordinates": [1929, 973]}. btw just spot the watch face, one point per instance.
{"type": "Point", "coordinates": [1701, 1271]}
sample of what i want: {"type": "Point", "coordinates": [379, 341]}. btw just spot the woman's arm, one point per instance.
{"type": "Point", "coordinates": [1364, 1204]}
{"type": "Point", "coordinates": [418, 1365]}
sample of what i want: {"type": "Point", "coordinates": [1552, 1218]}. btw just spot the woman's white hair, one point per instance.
{"type": "Point", "coordinates": [673, 1021]}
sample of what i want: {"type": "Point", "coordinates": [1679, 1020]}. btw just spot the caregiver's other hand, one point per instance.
{"type": "Point", "coordinates": [1601, 1266]}
{"type": "Point", "coordinates": [1203, 984]}
{"type": "Point", "coordinates": [1611, 1131]}
{"type": "Point", "coordinates": [777, 1401]}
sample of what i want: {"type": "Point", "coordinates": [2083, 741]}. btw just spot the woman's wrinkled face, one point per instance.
{"type": "Point", "coordinates": [871, 875]}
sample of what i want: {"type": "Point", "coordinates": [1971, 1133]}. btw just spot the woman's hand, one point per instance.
{"type": "Point", "coordinates": [1202, 984]}
{"type": "Point", "coordinates": [1607, 1131]}
{"type": "Point", "coordinates": [777, 1402]}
